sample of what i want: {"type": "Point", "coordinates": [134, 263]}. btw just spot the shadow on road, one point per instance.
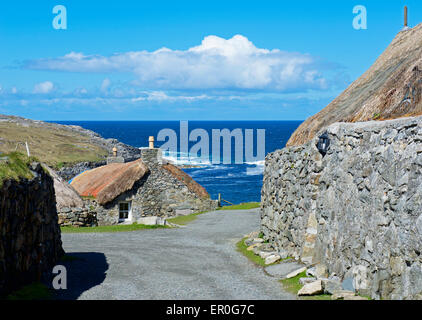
{"type": "Point", "coordinates": [84, 271]}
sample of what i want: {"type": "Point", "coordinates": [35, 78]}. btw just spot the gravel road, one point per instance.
{"type": "Point", "coordinates": [198, 261]}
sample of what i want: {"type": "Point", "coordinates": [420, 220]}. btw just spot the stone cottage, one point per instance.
{"type": "Point", "coordinates": [122, 192]}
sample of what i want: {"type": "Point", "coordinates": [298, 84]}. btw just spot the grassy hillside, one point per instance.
{"type": "Point", "coordinates": [49, 143]}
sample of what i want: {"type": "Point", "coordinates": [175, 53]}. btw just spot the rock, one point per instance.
{"type": "Point", "coordinates": [282, 269]}
{"type": "Point", "coordinates": [295, 273]}
{"type": "Point", "coordinates": [283, 254]}
{"type": "Point", "coordinates": [342, 294]}
{"type": "Point", "coordinates": [330, 286]}
{"type": "Point", "coordinates": [267, 247]}
{"type": "Point", "coordinates": [311, 272]}
{"type": "Point", "coordinates": [265, 254]}
{"type": "Point", "coordinates": [304, 281]}
{"type": "Point", "coordinates": [251, 241]}
{"type": "Point", "coordinates": [321, 271]}
{"type": "Point", "coordinates": [311, 289]}
{"type": "Point", "coordinates": [347, 285]}
{"type": "Point", "coordinates": [348, 297]}
{"type": "Point", "coordinates": [152, 221]}
{"type": "Point", "coordinates": [254, 234]}
{"type": "Point", "coordinates": [255, 245]}
{"type": "Point", "coordinates": [272, 259]}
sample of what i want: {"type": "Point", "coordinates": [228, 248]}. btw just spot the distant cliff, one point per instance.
{"type": "Point", "coordinates": [390, 89]}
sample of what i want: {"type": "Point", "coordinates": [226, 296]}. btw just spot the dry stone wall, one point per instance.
{"type": "Point", "coordinates": [30, 240]}
{"type": "Point", "coordinates": [85, 216]}
{"type": "Point", "coordinates": [357, 212]}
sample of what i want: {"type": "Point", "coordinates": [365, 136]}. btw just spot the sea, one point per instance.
{"type": "Point", "coordinates": [221, 174]}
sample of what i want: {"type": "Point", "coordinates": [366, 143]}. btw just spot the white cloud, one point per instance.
{"type": "Point", "coordinates": [216, 63]}
{"type": "Point", "coordinates": [14, 90]}
{"type": "Point", "coordinates": [161, 96]}
{"type": "Point", "coordinates": [43, 87]}
{"type": "Point", "coordinates": [105, 85]}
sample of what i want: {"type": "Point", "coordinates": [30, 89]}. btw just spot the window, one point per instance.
{"type": "Point", "coordinates": [125, 211]}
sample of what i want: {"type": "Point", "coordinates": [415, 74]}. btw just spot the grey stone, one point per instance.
{"type": "Point", "coordinates": [342, 295]}
{"type": "Point", "coordinates": [311, 289]}
{"type": "Point", "coordinates": [272, 259]}
{"type": "Point", "coordinates": [347, 284]}
{"type": "Point", "coordinates": [152, 221]}
{"type": "Point", "coordinates": [282, 269]}
{"type": "Point", "coordinates": [304, 281]}
{"type": "Point", "coordinates": [295, 272]}
{"type": "Point", "coordinates": [330, 286]}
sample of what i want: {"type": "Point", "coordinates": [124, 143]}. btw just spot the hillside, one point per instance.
{"type": "Point", "coordinates": [390, 89]}
{"type": "Point", "coordinates": [57, 145]}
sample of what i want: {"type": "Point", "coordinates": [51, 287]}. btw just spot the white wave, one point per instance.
{"type": "Point", "coordinates": [179, 158]}
{"type": "Point", "coordinates": [255, 171]}
{"type": "Point", "coordinates": [256, 163]}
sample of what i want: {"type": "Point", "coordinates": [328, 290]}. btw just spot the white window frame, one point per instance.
{"type": "Point", "coordinates": [129, 214]}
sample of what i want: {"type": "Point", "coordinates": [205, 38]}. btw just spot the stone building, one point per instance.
{"type": "Point", "coordinates": [122, 192]}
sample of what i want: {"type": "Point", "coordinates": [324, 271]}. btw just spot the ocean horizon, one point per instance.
{"type": "Point", "coordinates": [237, 183]}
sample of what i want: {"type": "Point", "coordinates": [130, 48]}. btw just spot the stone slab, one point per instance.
{"type": "Point", "coordinates": [282, 269]}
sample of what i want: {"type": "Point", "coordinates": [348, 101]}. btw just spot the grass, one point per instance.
{"type": "Point", "coordinates": [56, 147]}
{"type": "Point", "coordinates": [242, 248]}
{"type": "Point", "coordinates": [34, 291]}
{"type": "Point", "coordinates": [16, 167]}
{"type": "Point", "coordinates": [114, 228]}
{"type": "Point", "coordinates": [182, 220]}
{"type": "Point", "coordinates": [242, 206]}
{"type": "Point", "coordinates": [293, 285]}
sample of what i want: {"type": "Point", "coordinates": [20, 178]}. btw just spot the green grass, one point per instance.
{"type": "Point", "coordinates": [242, 206]}
{"type": "Point", "coordinates": [182, 220]}
{"type": "Point", "coordinates": [242, 248]}
{"type": "Point", "coordinates": [114, 228]}
{"type": "Point", "coordinates": [293, 285]}
{"type": "Point", "coordinates": [34, 291]}
{"type": "Point", "coordinates": [54, 146]}
{"type": "Point", "coordinates": [16, 167]}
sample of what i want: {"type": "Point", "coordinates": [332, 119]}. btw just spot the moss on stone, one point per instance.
{"type": "Point", "coordinates": [15, 166]}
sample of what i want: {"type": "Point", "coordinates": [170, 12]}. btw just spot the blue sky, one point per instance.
{"type": "Point", "coordinates": [187, 60]}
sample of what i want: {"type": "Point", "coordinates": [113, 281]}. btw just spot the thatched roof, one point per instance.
{"type": "Point", "coordinates": [108, 182]}
{"type": "Point", "coordinates": [187, 180]}
{"type": "Point", "coordinates": [66, 196]}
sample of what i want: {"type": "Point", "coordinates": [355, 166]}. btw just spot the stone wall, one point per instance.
{"type": "Point", "coordinates": [85, 216]}
{"type": "Point", "coordinates": [357, 212]}
{"type": "Point", "coordinates": [30, 240]}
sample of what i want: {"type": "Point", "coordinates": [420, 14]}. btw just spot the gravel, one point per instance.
{"type": "Point", "coordinates": [197, 262]}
